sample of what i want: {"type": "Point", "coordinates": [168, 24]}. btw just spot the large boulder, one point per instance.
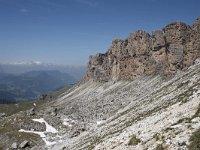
{"type": "Point", "coordinates": [24, 144]}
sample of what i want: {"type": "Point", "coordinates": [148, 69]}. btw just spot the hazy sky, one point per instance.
{"type": "Point", "coordinates": [68, 31]}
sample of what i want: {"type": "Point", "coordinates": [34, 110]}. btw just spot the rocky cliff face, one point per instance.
{"type": "Point", "coordinates": [173, 48]}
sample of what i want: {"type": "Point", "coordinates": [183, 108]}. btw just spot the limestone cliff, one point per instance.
{"type": "Point", "coordinates": [173, 48]}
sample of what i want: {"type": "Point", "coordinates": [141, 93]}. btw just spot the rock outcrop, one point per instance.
{"type": "Point", "coordinates": [173, 48]}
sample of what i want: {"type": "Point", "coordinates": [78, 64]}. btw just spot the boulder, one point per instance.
{"type": "Point", "coordinates": [14, 146]}
{"type": "Point", "coordinates": [2, 115]}
{"type": "Point", "coordinates": [31, 112]}
{"type": "Point", "coordinates": [24, 144]}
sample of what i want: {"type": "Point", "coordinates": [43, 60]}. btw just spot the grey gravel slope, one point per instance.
{"type": "Point", "coordinates": [150, 109]}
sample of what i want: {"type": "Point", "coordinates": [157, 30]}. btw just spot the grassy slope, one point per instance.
{"type": "Point", "coordinates": [15, 116]}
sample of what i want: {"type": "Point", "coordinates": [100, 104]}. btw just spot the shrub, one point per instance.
{"type": "Point", "coordinates": [195, 141]}
{"type": "Point", "coordinates": [133, 140]}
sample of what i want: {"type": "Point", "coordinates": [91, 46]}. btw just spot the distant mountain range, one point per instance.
{"type": "Point", "coordinates": [22, 66]}
{"type": "Point", "coordinates": [24, 63]}
{"type": "Point", "coordinates": [32, 84]}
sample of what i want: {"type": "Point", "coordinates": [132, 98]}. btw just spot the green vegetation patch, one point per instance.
{"type": "Point", "coordinates": [195, 141]}
{"type": "Point", "coordinates": [10, 109]}
{"type": "Point", "coordinates": [197, 114]}
{"type": "Point", "coordinates": [133, 140]}
{"type": "Point", "coordinates": [159, 147]}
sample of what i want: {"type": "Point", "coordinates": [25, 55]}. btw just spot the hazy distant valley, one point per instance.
{"type": "Point", "coordinates": [20, 83]}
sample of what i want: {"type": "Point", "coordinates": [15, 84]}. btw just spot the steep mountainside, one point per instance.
{"type": "Point", "coordinates": [151, 100]}
{"type": "Point", "coordinates": [146, 113]}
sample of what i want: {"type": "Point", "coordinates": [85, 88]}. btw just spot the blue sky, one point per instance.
{"type": "Point", "coordinates": [68, 31]}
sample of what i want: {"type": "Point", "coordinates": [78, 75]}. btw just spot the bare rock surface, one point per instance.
{"type": "Point", "coordinates": [166, 51]}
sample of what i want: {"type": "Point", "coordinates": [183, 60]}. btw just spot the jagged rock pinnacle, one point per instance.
{"type": "Point", "coordinates": [173, 48]}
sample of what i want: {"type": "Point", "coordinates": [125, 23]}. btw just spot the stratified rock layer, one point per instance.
{"type": "Point", "coordinates": [173, 48]}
